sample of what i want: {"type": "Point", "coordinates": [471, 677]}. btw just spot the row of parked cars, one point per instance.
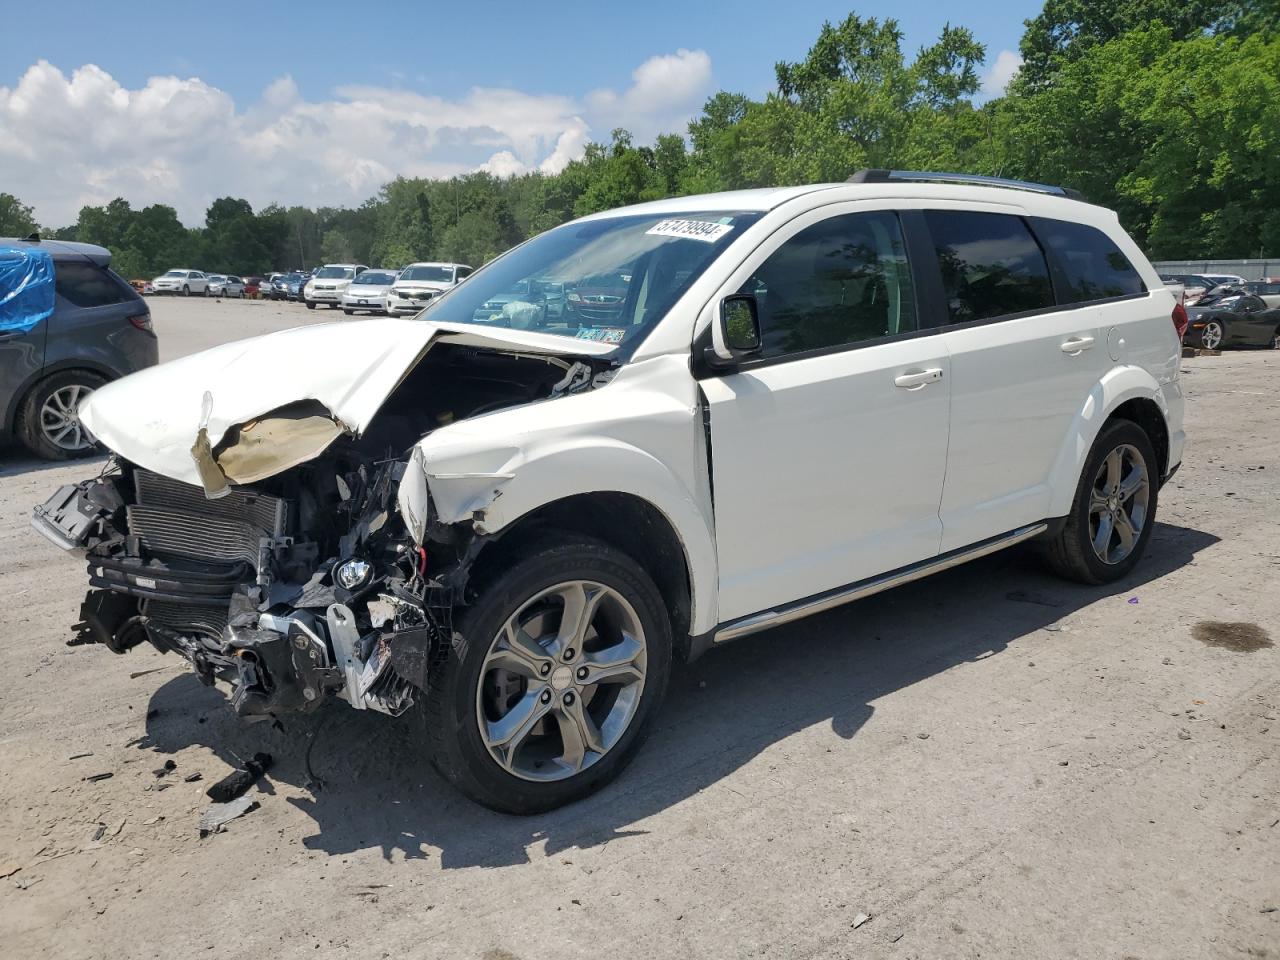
{"type": "Point", "coordinates": [1224, 310]}
{"type": "Point", "coordinates": [353, 287]}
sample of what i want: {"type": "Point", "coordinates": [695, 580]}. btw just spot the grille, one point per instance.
{"type": "Point", "coordinates": [175, 519]}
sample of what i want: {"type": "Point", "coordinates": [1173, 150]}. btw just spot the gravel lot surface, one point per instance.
{"type": "Point", "coordinates": [990, 763]}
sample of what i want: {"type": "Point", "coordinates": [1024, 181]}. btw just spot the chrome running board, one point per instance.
{"type": "Point", "coordinates": [865, 588]}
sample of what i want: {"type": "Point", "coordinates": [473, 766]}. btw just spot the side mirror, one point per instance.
{"type": "Point", "coordinates": [736, 334]}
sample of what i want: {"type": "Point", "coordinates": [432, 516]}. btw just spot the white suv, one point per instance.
{"type": "Point", "coordinates": [418, 283]}
{"type": "Point", "coordinates": [329, 283]}
{"type": "Point", "coordinates": [781, 400]}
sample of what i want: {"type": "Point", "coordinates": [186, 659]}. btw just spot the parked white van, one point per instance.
{"type": "Point", "coordinates": [795, 398]}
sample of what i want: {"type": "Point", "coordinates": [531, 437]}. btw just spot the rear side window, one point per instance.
{"type": "Point", "coordinates": [87, 285]}
{"type": "Point", "coordinates": [840, 281]}
{"type": "Point", "coordinates": [1093, 265]}
{"type": "Point", "coordinates": [991, 265]}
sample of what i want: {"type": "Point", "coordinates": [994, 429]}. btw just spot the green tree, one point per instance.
{"type": "Point", "coordinates": [16, 218]}
{"type": "Point", "coordinates": [1066, 30]}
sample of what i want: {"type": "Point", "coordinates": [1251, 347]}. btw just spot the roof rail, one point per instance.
{"type": "Point", "coordinates": [974, 179]}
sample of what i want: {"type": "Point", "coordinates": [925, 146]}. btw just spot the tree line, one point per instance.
{"type": "Point", "coordinates": [1167, 111]}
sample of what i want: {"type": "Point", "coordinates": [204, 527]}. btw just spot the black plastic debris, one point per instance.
{"type": "Point", "coordinates": [238, 781]}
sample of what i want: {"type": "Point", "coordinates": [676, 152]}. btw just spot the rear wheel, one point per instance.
{"type": "Point", "coordinates": [560, 668]}
{"type": "Point", "coordinates": [49, 420]}
{"type": "Point", "coordinates": [1114, 508]}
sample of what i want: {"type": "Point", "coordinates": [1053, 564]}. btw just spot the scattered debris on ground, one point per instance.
{"type": "Point", "coordinates": [238, 781]}
{"type": "Point", "coordinates": [215, 819]}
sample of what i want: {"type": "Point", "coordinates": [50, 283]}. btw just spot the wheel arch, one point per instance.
{"type": "Point", "coordinates": [1128, 393]}
{"type": "Point", "coordinates": [624, 521]}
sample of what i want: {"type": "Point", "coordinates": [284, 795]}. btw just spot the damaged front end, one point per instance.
{"type": "Point", "coordinates": [293, 591]}
{"type": "Point", "coordinates": [292, 573]}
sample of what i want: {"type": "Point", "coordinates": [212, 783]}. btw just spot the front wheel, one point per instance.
{"type": "Point", "coordinates": [347, 312]}
{"type": "Point", "coordinates": [1211, 335]}
{"type": "Point", "coordinates": [310, 305]}
{"type": "Point", "coordinates": [186, 291]}
{"type": "Point", "coordinates": [559, 671]}
{"type": "Point", "coordinates": [1114, 508]}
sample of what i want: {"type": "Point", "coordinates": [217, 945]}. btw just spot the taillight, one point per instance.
{"type": "Point", "coordinates": [1180, 319]}
{"type": "Point", "coordinates": [142, 321]}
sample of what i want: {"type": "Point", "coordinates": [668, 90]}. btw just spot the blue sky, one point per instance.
{"type": "Point", "coordinates": [340, 72]}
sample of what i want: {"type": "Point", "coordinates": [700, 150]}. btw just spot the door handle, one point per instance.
{"type": "Point", "coordinates": [1074, 346]}
{"type": "Point", "coordinates": [918, 378]}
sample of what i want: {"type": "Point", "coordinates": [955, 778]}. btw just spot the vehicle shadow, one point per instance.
{"type": "Point", "coordinates": [721, 712]}
{"type": "Point", "coordinates": [14, 461]}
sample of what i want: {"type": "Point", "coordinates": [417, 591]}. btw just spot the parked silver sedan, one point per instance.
{"type": "Point", "coordinates": [224, 285]}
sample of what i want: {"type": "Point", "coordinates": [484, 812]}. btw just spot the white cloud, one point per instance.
{"type": "Point", "coordinates": [996, 79]}
{"type": "Point", "coordinates": [70, 141]}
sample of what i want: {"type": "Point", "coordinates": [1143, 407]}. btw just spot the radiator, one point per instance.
{"type": "Point", "coordinates": [174, 519]}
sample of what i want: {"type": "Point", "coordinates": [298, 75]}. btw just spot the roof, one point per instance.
{"type": "Point", "coordinates": [765, 199]}
{"type": "Point", "coordinates": [62, 249]}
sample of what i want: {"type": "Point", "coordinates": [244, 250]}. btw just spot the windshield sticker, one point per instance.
{"type": "Point", "coordinates": [690, 230]}
{"type": "Point", "coordinates": [602, 334]}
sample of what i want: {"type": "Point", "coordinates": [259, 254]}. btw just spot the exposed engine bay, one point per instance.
{"type": "Point", "coordinates": [308, 582]}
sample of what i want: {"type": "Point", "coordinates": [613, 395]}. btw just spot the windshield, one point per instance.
{"type": "Point", "coordinates": [429, 274]}
{"type": "Point", "coordinates": [609, 280]}
{"type": "Point", "coordinates": [375, 278]}
{"type": "Point", "coordinates": [335, 273]}
{"type": "Point", "coordinates": [176, 273]}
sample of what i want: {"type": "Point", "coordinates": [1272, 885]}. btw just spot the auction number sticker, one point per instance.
{"type": "Point", "coordinates": [690, 230]}
{"type": "Point", "coordinates": [602, 334]}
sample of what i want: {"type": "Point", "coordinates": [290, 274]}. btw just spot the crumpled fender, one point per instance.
{"type": "Point", "coordinates": [1119, 385]}
{"type": "Point", "coordinates": [624, 438]}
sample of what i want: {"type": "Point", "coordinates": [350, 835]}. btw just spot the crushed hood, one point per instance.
{"type": "Point", "coordinates": [154, 418]}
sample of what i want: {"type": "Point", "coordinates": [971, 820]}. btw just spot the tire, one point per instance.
{"type": "Point", "coordinates": [310, 305]}
{"type": "Point", "coordinates": [1072, 553]}
{"type": "Point", "coordinates": [462, 689]}
{"type": "Point", "coordinates": [1212, 335]}
{"type": "Point", "coordinates": [206, 292]}
{"type": "Point", "coordinates": [347, 312]}
{"type": "Point", "coordinates": [38, 422]}
{"type": "Point", "coordinates": [186, 291]}
{"type": "Point", "coordinates": [1275, 339]}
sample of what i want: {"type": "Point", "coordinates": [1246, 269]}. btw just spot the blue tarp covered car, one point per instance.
{"type": "Point", "coordinates": [26, 287]}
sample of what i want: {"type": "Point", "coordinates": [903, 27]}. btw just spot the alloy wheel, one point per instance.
{"type": "Point", "coordinates": [1118, 504]}
{"type": "Point", "coordinates": [1212, 335]}
{"type": "Point", "coordinates": [60, 418]}
{"type": "Point", "coordinates": [562, 681]}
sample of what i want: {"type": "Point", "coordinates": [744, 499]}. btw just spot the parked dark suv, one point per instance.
{"type": "Point", "coordinates": [100, 330]}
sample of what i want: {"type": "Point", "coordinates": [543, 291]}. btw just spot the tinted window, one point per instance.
{"type": "Point", "coordinates": [86, 285]}
{"type": "Point", "coordinates": [840, 281]}
{"type": "Point", "coordinates": [991, 265]}
{"type": "Point", "coordinates": [1094, 267]}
